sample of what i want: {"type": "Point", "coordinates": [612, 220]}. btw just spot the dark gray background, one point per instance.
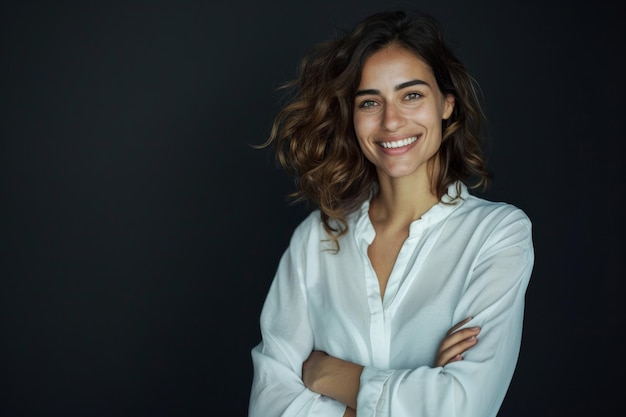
{"type": "Point", "coordinates": [139, 230]}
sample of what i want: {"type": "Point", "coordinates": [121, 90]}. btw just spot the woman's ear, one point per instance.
{"type": "Point", "coordinates": [448, 106]}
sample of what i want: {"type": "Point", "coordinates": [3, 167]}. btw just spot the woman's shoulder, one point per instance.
{"type": "Point", "coordinates": [311, 231]}
{"type": "Point", "coordinates": [308, 227]}
{"type": "Point", "coordinates": [485, 209]}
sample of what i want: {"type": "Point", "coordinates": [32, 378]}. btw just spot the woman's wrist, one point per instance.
{"type": "Point", "coordinates": [340, 380]}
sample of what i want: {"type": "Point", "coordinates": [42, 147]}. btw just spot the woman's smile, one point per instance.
{"type": "Point", "coordinates": [402, 143]}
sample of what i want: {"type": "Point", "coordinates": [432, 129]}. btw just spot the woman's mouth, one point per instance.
{"type": "Point", "coordinates": [398, 143]}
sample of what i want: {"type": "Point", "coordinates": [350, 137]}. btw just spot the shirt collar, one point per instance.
{"type": "Point", "coordinates": [454, 197]}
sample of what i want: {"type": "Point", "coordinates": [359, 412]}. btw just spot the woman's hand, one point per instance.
{"type": "Point", "coordinates": [313, 370]}
{"type": "Point", "coordinates": [350, 412]}
{"type": "Point", "coordinates": [456, 343]}
{"type": "Point", "coordinates": [332, 377]}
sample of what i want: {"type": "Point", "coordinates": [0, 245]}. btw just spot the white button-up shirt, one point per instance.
{"type": "Point", "coordinates": [470, 258]}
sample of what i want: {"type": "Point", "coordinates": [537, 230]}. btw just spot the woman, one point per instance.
{"type": "Point", "coordinates": [386, 284]}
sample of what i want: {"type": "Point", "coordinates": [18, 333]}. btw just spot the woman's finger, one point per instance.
{"type": "Point", "coordinates": [458, 336]}
{"type": "Point", "coordinates": [455, 352]}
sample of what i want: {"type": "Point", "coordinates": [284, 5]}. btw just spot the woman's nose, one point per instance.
{"type": "Point", "coordinates": [392, 118]}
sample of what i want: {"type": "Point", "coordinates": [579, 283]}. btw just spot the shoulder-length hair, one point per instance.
{"type": "Point", "coordinates": [313, 134]}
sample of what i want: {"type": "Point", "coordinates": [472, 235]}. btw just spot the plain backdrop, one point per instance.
{"type": "Point", "coordinates": [140, 231]}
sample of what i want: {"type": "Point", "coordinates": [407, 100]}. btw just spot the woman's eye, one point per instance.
{"type": "Point", "coordinates": [412, 96]}
{"type": "Point", "coordinates": [367, 103]}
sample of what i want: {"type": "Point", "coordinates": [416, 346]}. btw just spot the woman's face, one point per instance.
{"type": "Point", "coordinates": [398, 113]}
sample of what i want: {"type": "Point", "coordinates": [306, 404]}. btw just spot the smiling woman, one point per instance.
{"type": "Point", "coordinates": [379, 300]}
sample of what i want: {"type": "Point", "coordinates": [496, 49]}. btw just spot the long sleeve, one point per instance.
{"type": "Point", "coordinates": [287, 340]}
{"type": "Point", "coordinates": [493, 294]}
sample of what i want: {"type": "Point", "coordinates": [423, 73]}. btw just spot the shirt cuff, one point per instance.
{"type": "Point", "coordinates": [372, 395]}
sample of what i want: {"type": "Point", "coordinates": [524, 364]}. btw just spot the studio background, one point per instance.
{"type": "Point", "coordinates": [140, 231]}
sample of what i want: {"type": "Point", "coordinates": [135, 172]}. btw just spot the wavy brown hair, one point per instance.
{"type": "Point", "coordinates": [313, 134]}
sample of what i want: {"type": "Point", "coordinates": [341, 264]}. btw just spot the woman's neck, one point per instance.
{"type": "Point", "coordinates": [400, 201]}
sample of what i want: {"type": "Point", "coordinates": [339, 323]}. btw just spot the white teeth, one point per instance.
{"type": "Point", "coordinates": [399, 143]}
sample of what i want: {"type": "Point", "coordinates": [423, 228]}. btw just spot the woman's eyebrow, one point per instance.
{"type": "Point", "coordinates": [410, 83]}
{"type": "Point", "coordinates": [396, 88]}
{"type": "Point", "coordinates": [366, 93]}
